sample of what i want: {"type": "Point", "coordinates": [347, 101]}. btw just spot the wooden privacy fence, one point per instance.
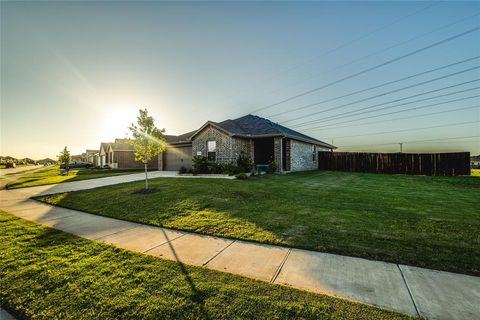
{"type": "Point", "coordinates": [432, 164]}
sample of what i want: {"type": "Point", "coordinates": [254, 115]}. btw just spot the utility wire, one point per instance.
{"type": "Point", "coordinates": [435, 44]}
{"type": "Point", "coordinates": [380, 51]}
{"type": "Point", "coordinates": [395, 119]}
{"type": "Point", "coordinates": [411, 141]}
{"type": "Point", "coordinates": [384, 94]}
{"type": "Point", "coordinates": [405, 110]}
{"type": "Point", "coordinates": [348, 43]}
{"type": "Point", "coordinates": [411, 129]}
{"type": "Point", "coordinates": [362, 110]}
{"type": "Point", "coordinates": [362, 37]}
{"type": "Point", "coordinates": [376, 87]}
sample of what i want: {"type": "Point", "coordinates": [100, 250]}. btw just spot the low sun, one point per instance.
{"type": "Point", "coordinates": [116, 121]}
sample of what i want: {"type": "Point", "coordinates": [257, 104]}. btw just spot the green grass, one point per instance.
{"type": "Point", "coordinates": [52, 174]}
{"type": "Point", "coordinates": [20, 172]}
{"type": "Point", "coordinates": [424, 221]}
{"type": "Point", "coordinates": [49, 274]}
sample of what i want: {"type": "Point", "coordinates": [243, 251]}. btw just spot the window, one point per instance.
{"type": "Point", "coordinates": [211, 150]}
{"type": "Point", "coordinates": [314, 151]}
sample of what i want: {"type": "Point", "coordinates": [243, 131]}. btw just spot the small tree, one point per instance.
{"type": "Point", "coordinates": [64, 158]}
{"type": "Point", "coordinates": [148, 140]}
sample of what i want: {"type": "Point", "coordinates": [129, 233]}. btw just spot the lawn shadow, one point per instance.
{"type": "Point", "coordinates": [197, 296]}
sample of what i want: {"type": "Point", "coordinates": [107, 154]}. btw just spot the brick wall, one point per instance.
{"type": "Point", "coordinates": [277, 152]}
{"type": "Point", "coordinates": [228, 148]}
{"type": "Point", "coordinates": [302, 156]}
{"type": "Point", "coordinates": [288, 151]}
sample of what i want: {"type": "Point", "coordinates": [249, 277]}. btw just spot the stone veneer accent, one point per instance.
{"type": "Point", "coordinates": [228, 148]}
{"type": "Point", "coordinates": [277, 152]}
{"type": "Point", "coordinates": [302, 156]}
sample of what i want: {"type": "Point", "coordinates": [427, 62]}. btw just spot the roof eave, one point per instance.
{"type": "Point", "coordinates": [213, 124]}
{"type": "Point", "coordinates": [316, 142]}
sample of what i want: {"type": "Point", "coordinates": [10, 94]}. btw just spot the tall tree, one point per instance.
{"type": "Point", "coordinates": [148, 140]}
{"type": "Point", "coordinates": [64, 158]}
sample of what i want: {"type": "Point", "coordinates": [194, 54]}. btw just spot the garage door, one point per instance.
{"type": "Point", "coordinates": [177, 157]}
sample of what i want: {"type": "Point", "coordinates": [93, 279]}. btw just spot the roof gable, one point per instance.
{"type": "Point", "coordinates": [255, 126]}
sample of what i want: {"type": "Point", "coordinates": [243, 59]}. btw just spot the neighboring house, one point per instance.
{"type": "Point", "coordinates": [260, 139]}
{"type": "Point", "coordinates": [121, 155]}
{"type": "Point", "coordinates": [90, 156]}
{"type": "Point", "coordinates": [102, 154]}
{"type": "Point", "coordinates": [475, 162]}
{"type": "Point", "coordinates": [79, 158]}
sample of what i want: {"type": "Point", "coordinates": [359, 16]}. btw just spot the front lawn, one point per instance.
{"type": "Point", "coordinates": [49, 274]}
{"type": "Point", "coordinates": [53, 174]}
{"type": "Point", "coordinates": [431, 222]}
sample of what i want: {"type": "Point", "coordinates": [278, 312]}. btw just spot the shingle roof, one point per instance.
{"type": "Point", "coordinates": [180, 138]}
{"type": "Point", "coordinates": [121, 144]}
{"type": "Point", "coordinates": [251, 125]}
{"type": "Point", "coordinates": [104, 145]}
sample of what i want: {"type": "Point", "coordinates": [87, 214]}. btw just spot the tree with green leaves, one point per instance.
{"type": "Point", "coordinates": [64, 158]}
{"type": "Point", "coordinates": [148, 141]}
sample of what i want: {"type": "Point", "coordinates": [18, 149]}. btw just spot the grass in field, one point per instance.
{"type": "Point", "coordinates": [48, 274]}
{"type": "Point", "coordinates": [53, 174]}
{"type": "Point", "coordinates": [424, 221]}
{"type": "Point", "coordinates": [26, 169]}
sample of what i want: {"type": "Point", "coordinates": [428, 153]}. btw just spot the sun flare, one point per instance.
{"type": "Point", "coordinates": [116, 120]}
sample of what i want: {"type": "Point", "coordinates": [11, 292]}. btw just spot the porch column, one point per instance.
{"type": "Point", "coordinates": [277, 152]}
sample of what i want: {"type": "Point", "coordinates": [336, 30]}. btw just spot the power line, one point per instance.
{"type": "Point", "coordinates": [383, 50]}
{"type": "Point", "coordinates": [364, 36]}
{"type": "Point", "coordinates": [348, 43]}
{"type": "Point", "coordinates": [375, 87]}
{"type": "Point", "coordinates": [411, 141]}
{"type": "Point", "coordinates": [411, 129]}
{"type": "Point", "coordinates": [404, 110]}
{"type": "Point", "coordinates": [435, 44]}
{"type": "Point", "coordinates": [396, 119]}
{"type": "Point", "coordinates": [361, 110]}
{"type": "Point", "coordinates": [385, 93]}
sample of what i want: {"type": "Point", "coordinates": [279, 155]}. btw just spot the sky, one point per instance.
{"type": "Point", "coordinates": [75, 73]}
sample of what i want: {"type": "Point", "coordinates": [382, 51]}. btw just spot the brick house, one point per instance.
{"type": "Point", "coordinates": [259, 138]}
{"type": "Point", "coordinates": [121, 155]}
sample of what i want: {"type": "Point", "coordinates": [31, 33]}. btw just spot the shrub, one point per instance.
{"type": "Point", "coordinates": [244, 163]}
{"type": "Point", "coordinates": [214, 167]}
{"type": "Point", "coordinates": [182, 170]}
{"type": "Point", "coordinates": [272, 167]}
{"type": "Point", "coordinates": [200, 164]}
{"type": "Point", "coordinates": [231, 168]}
{"type": "Point", "coordinates": [242, 176]}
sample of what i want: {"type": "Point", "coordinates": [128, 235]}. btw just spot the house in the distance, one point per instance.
{"type": "Point", "coordinates": [259, 138]}
{"type": "Point", "coordinates": [90, 156]}
{"type": "Point", "coordinates": [121, 155]}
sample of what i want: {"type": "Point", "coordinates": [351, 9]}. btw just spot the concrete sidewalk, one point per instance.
{"type": "Point", "coordinates": [410, 290]}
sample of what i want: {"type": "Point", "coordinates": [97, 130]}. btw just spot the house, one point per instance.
{"type": "Point", "coordinates": [121, 155]}
{"type": "Point", "coordinates": [79, 158]}
{"type": "Point", "coordinates": [90, 156]}
{"type": "Point", "coordinates": [259, 138]}
{"type": "Point", "coordinates": [475, 162]}
{"type": "Point", "coordinates": [102, 154]}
